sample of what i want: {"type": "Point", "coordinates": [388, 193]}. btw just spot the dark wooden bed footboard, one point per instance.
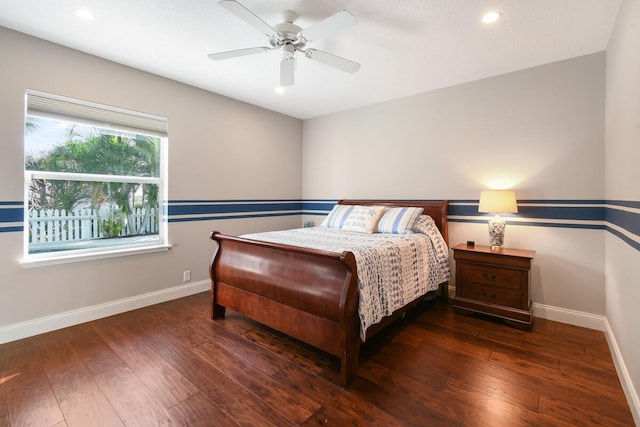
{"type": "Point", "coordinates": [308, 294]}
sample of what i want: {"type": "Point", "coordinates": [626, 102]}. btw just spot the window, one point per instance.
{"type": "Point", "coordinates": [94, 179]}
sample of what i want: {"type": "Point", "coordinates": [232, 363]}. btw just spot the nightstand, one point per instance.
{"type": "Point", "coordinates": [494, 283]}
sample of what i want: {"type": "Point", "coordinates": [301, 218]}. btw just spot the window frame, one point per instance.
{"type": "Point", "coordinates": [57, 107]}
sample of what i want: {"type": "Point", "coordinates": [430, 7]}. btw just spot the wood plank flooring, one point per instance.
{"type": "Point", "coordinates": [169, 364]}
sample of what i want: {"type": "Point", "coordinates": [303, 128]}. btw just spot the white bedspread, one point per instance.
{"type": "Point", "coordinates": [393, 269]}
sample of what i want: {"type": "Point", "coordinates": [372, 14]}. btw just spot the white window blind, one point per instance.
{"type": "Point", "coordinates": [62, 108]}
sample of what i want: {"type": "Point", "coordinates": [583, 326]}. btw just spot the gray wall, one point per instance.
{"type": "Point", "coordinates": [539, 131]}
{"type": "Point", "coordinates": [219, 148]}
{"type": "Point", "coordinates": [622, 154]}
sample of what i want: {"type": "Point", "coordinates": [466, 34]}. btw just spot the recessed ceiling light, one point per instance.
{"type": "Point", "coordinates": [85, 14]}
{"type": "Point", "coordinates": [279, 90]}
{"type": "Point", "coordinates": [490, 17]}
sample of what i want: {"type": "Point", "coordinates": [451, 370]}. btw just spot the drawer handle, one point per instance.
{"type": "Point", "coordinates": [486, 295]}
{"type": "Point", "coordinates": [488, 276]}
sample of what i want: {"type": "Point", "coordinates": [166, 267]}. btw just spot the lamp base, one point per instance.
{"type": "Point", "coordinates": [496, 232]}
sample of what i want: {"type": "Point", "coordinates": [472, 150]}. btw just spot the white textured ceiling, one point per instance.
{"type": "Point", "coordinates": [404, 46]}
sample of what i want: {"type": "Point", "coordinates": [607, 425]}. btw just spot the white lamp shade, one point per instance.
{"type": "Point", "coordinates": [498, 201]}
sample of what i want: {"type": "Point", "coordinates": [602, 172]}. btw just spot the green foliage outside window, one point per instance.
{"type": "Point", "coordinates": [91, 150]}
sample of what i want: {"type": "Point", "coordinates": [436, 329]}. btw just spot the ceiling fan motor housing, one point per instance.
{"type": "Point", "coordinates": [287, 32]}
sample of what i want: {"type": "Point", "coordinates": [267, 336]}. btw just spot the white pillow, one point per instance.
{"type": "Point", "coordinates": [363, 219]}
{"type": "Point", "coordinates": [337, 216]}
{"type": "Point", "coordinates": [398, 220]}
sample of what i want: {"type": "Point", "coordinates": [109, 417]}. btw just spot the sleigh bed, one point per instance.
{"type": "Point", "coordinates": [308, 293]}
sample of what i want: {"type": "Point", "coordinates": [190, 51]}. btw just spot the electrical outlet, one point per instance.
{"type": "Point", "coordinates": [186, 276]}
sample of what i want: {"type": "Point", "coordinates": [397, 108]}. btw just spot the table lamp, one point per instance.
{"type": "Point", "coordinates": [497, 202]}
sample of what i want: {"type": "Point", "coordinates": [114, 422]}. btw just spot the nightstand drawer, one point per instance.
{"type": "Point", "coordinates": [490, 275]}
{"type": "Point", "coordinates": [491, 294]}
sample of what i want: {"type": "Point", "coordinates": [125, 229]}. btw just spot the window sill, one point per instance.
{"type": "Point", "coordinates": [70, 257]}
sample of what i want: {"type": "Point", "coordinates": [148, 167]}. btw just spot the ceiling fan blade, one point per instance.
{"type": "Point", "coordinates": [287, 69]}
{"type": "Point", "coordinates": [235, 53]}
{"type": "Point", "coordinates": [249, 17]}
{"type": "Point", "coordinates": [327, 27]}
{"type": "Point", "coordinates": [332, 60]}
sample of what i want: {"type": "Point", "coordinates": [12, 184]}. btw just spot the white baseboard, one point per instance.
{"type": "Point", "coordinates": [564, 315]}
{"type": "Point", "coordinates": [572, 317]}
{"type": "Point", "coordinates": [623, 374]}
{"type": "Point", "coordinates": [599, 323]}
{"type": "Point", "coordinates": [62, 320]}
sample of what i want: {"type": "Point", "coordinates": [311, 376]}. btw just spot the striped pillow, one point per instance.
{"type": "Point", "coordinates": [337, 216]}
{"type": "Point", "coordinates": [398, 220]}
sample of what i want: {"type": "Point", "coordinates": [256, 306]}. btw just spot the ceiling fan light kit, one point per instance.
{"type": "Point", "coordinates": [290, 38]}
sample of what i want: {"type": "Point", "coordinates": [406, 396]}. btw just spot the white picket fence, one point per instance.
{"type": "Point", "coordinates": [53, 225]}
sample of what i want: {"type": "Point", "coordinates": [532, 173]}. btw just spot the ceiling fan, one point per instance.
{"type": "Point", "coordinates": [290, 38]}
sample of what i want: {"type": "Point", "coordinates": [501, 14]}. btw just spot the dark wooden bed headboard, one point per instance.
{"type": "Point", "coordinates": [436, 210]}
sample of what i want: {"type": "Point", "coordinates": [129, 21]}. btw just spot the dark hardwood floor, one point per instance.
{"type": "Point", "coordinates": [170, 364]}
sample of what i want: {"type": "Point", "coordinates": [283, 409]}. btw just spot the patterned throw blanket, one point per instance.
{"type": "Point", "coordinates": [393, 269]}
